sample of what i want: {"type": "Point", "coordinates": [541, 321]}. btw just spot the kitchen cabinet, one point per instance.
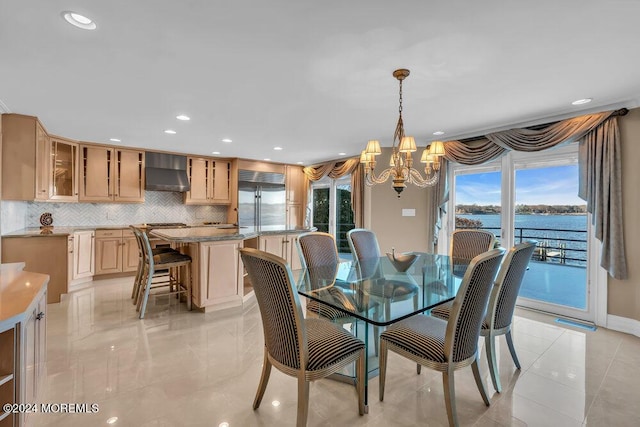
{"type": "Point", "coordinates": [37, 166]}
{"type": "Point", "coordinates": [210, 180]}
{"type": "Point", "coordinates": [63, 169]}
{"type": "Point", "coordinates": [296, 187]}
{"type": "Point", "coordinates": [116, 251]}
{"type": "Point", "coordinates": [110, 174]}
{"type": "Point", "coordinates": [22, 339]}
{"type": "Point", "coordinates": [282, 245]}
{"type": "Point", "coordinates": [82, 256]}
{"type": "Point", "coordinates": [216, 273]}
{"type": "Point", "coordinates": [47, 254]}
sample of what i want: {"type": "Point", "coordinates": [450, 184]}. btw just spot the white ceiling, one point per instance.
{"type": "Point", "coordinates": [313, 77]}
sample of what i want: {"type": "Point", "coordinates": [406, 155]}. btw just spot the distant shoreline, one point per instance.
{"type": "Point", "coordinates": [526, 213]}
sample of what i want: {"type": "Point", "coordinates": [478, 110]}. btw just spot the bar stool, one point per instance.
{"type": "Point", "coordinates": [163, 266]}
{"type": "Point", "coordinates": [137, 283]}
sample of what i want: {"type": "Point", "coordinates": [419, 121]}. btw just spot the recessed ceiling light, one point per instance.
{"type": "Point", "coordinates": [267, 160]}
{"type": "Point", "coordinates": [114, 139]}
{"type": "Point", "coordinates": [438, 132]}
{"type": "Point", "coordinates": [215, 152]}
{"type": "Point", "coordinates": [582, 101]}
{"type": "Point", "coordinates": [78, 20]}
{"type": "Point", "coordinates": [170, 131]}
{"type": "Point", "coordinates": [300, 163]}
{"type": "Point", "coordinates": [227, 140]}
{"type": "Point", "coordinates": [342, 154]}
{"type": "Point", "coordinates": [183, 117]}
{"type": "Point", "coordinates": [277, 148]}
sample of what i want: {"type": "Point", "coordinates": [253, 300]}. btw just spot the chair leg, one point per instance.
{"type": "Point", "coordinates": [264, 379]}
{"type": "Point", "coordinates": [303, 401]}
{"type": "Point", "coordinates": [479, 382]}
{"type": "Point", "coordinates": [418, 368]}
{"type": "Point", "coordinates": [145, 297]}
{"type": "Point", "coordinates": [360, 379]}
{"type": "Point", "coordinates": [450, 397]}
{"type": "Point", "coordinates": [137, 280]}
{"type": "Point", "coordinates": [382, 368]}
{"type": "Point", "coordinates": [512, 349]}
{"type": "Point", "coordinates": [490, 346]}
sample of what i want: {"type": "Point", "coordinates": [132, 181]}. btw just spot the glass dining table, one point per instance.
{"type": "Point", "coordinates": [371, 295]}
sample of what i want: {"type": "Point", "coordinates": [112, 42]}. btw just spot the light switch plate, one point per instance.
{"type": "Point", "coordinates": [408, 212]}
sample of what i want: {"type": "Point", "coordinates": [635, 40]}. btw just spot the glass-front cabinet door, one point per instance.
{"type": "Point", "coordinates": [64, 170]}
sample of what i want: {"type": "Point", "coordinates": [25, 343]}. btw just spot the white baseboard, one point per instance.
{"type": "Point", "coordinates": [623, 324]}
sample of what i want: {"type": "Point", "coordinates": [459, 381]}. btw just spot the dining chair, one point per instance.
{"type": "Point", "coordinates": [447, 346]}
{"type": "Point", "coordinates": [365, 249]}
{"type": "Point", "coordinates": [308, 349]}
{"type": "Point", "coordinates": [501, 306]}
{"type": "Point", "coordinates": [466, 244]}
{"type": "Point", "coordinates": [164, 267]}
{"type": "Point", "coordinates": [320, 260]}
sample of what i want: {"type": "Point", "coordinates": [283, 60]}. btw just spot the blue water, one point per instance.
{"type": "Point", "coordinates": [546, 229]}
{"type": "Point", "coordinates": [548, 280]}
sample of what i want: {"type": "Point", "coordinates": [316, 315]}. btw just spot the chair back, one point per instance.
{"type": "Point", "coordinates": [144, 246]}
{"type": "Point", "coordinates": [503, 298]}
{"type": "Point", "coordinates": [319, 255]}
{"type": "Point", "coordinates": [365, 249]}
{"type": "Point", "coordinates": [282, 319]}
{"type": "Point", "coordinates": [467, 244]}
{"type": "Point", "coordinates": [470, 305]}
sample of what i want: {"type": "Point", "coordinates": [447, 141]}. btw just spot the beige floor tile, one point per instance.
{"type": "Point", "coordinates": [180, 368]}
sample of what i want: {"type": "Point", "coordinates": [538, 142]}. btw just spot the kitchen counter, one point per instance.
{"type": "Point", "coordinates": [19, 291]}
{"type": "Point", "coordinates": [211, 234]}
{"type": "Point", "coordinates": [57, 231]}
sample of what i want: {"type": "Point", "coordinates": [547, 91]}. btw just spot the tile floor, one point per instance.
{"type": "Point", "coordinates": [179, 368]}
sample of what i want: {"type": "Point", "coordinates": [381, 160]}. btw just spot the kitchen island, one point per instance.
{"type": "Point", "coordinates": [217, 274]}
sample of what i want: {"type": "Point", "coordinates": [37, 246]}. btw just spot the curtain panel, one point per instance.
{"type": "Point", "coordinates": [338, 169]}
{"type": "Point", "coordinates": [600, 172]}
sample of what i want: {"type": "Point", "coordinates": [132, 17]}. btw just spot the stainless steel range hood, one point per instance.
{"type": "Point", "coordinates": [166, 172]}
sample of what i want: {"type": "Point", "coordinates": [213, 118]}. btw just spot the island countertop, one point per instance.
{"type": "Point", "coordinates": [19, 291]}
{"type": "Point", "coordinates": [210, 234]}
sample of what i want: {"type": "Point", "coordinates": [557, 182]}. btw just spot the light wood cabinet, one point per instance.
{"type": "Point", "coordinates": [295, 185]}
{"type": "Point", "coordinates": [282, 245]}
{"type": "Point", "coordinates": [37, 166]}
{"type": "Point", "coordinates": [63, 169]}
{"type": "Point", "coordinates": [47, 254]}
{"type": "Point", "coordinates": [22, 340]}
{"type": "Point", "coordinates": [116, 251]}
{"type": "Point", "coordinates": [217, 273]}
{"type": "Point", "coordinates": [210, 181]}
{"type": "Point", "coordinates": [83, 256]}
{"type": "Point", "coordinates": [111, 174]}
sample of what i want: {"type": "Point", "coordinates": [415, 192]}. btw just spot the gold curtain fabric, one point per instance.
{"type": "Point", "coordinates": [338, 169]}
{"type": "Point", "coordinates": [601, 183]}
{"type": "Point", "coordinates": [601, 188]}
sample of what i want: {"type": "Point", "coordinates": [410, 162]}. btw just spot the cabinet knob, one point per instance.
{"type": "Point", "coordinates": [40, 315]}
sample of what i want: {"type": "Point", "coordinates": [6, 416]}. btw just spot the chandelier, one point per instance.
{"type": "Point", "coordinates": [401, 169]}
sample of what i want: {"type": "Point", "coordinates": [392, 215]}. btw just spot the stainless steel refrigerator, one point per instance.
{"type": "Point", "coordinates": [261, 200]}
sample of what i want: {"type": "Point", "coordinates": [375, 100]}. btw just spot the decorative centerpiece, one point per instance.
{"type": "Point", "coordinates": [46, 219]}
{"type": "Point", "coordinates": [401, 262]}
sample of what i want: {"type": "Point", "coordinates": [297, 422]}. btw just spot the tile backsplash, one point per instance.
{"type": "Point", "coordinates": [159, 206]}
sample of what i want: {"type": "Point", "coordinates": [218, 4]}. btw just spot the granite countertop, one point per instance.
{"type": "Point", "coordinates": [205, 231]}
{"type": "Point", "coordinates": [19, 290]}
{"type": "Point", "coordinates": [212, 234]}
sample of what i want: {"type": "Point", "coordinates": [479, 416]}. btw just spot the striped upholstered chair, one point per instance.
{"type": "Point", "coordinates": [465, 245]}
{"type": "Point", "coordinates": [447, 346]}
{"type": "Point", "coordinates": [308, 349]}
{"type": "Point", "coordinates": [364, 247]}
{"type": "Point", "coordinates": [501, 306]}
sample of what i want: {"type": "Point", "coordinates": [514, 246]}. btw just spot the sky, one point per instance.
{"type": "Point", "coordinates": [557, 185]}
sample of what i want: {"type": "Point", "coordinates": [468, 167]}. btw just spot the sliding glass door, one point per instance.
{"type": "Point", "coordinates": [533, 196]}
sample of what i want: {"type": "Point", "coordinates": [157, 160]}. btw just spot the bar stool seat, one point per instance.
{"type": "Point", "coordinates": [164, 266]}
